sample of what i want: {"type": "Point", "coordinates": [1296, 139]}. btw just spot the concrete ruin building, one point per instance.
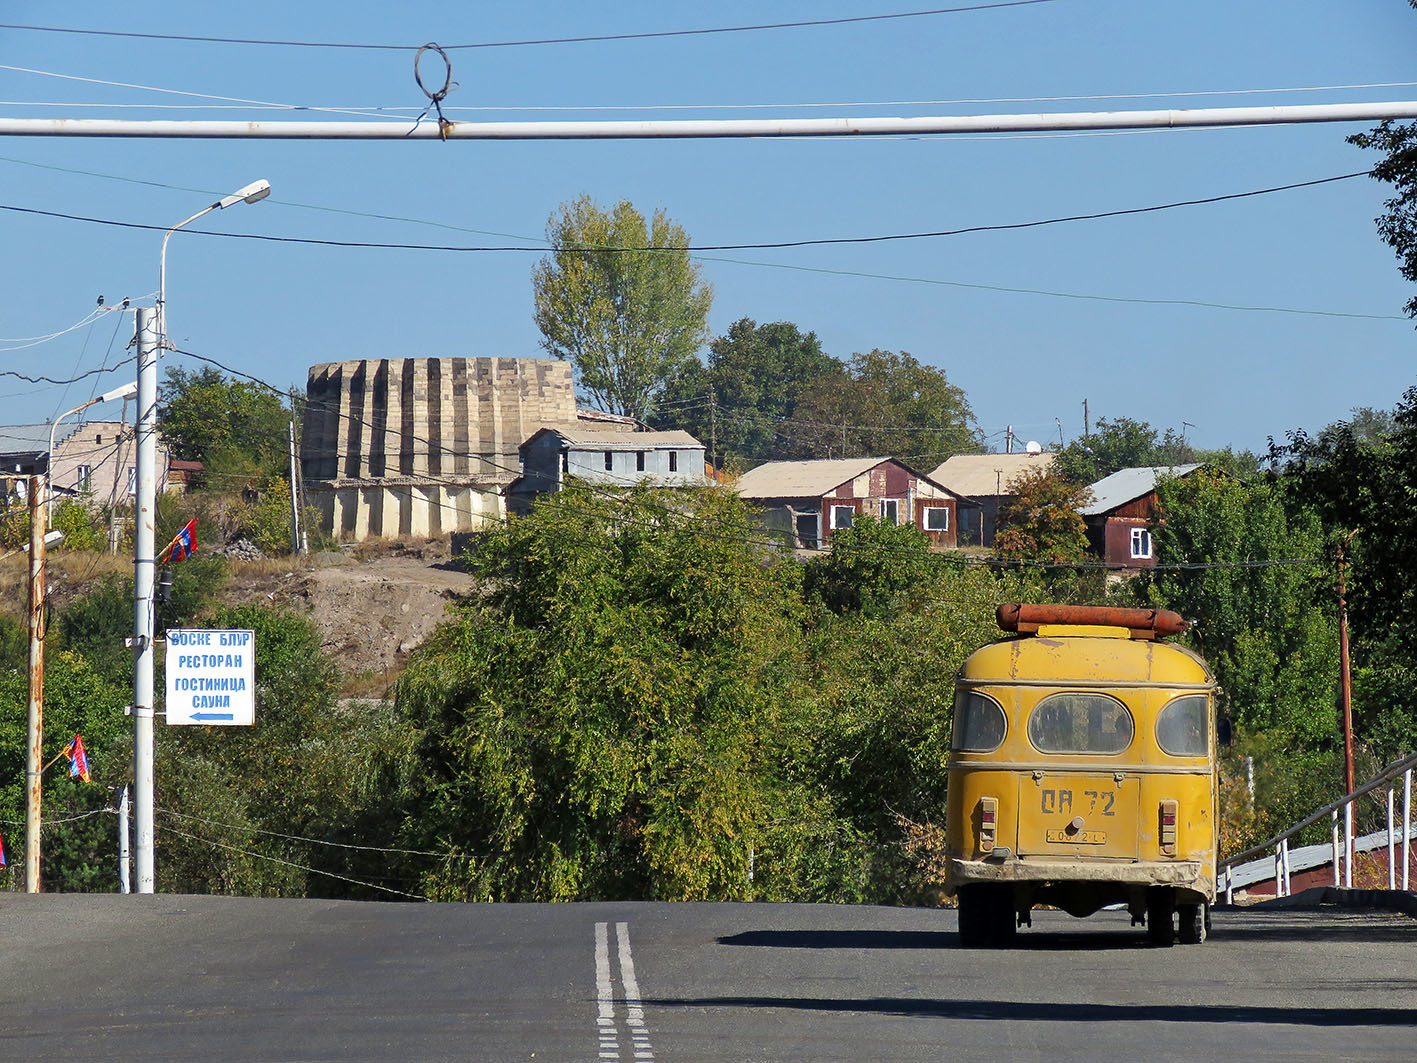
{"type": "Point", "coordinates": [423, 446]}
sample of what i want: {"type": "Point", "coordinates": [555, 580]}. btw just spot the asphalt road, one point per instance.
{"type": "Point", "coordinates": [103, 977]}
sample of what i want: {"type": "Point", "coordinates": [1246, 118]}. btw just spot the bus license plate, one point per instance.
{"type": "Point", "coordinates": [1077, 837]}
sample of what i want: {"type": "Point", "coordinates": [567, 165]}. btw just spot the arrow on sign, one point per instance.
{"type": "Point", "coordinates": [213, 716]}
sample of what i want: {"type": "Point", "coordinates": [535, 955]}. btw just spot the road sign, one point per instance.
{"type": "Point", "coordinates": [211, 677]}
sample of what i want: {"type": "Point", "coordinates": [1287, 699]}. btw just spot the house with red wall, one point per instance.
{"type": "Point", "coordinates": [1121, 514]}
{"type": "Point", "coordinates": [809, 500]}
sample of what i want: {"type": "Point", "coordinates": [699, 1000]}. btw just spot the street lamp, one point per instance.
{"type": "Point", "coordinates": [252, 193]}
{"type": "Point", "coordinates": [127, 391]}
{"type": "Point", "coordinates": [150, 335]}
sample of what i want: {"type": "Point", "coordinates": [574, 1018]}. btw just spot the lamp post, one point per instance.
{"type": "Point", "coordinates": [39, 495]}
{"type": "Point", "coordinates": [151, 334]}
{"type": "Point", "coordinates": [252, 193]}
{"type": "Point", "coordinates": [127, 391]}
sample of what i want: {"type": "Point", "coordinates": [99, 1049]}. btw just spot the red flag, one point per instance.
{"type": "Point", "coordinates": [183, 546]}
{"type": "Point", "coordinates": [78, 759]}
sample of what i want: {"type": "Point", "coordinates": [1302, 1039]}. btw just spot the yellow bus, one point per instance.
{"type": "Point", "coordinates": [1082, 775]}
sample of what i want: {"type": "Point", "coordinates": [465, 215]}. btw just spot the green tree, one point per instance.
{"type": "Point", "coordinates": [599, 721]}
{"type": "Point", "coordinates": [869, 567]}
{"type": "Point", "coordinates": [79, 844]}
{"type": "Point", "coordinates": [1261, 600]}
{"type": "Point", "coordinates": [78, 523]}
{"type": "Point", "coordinates": [757, 374]}
{"type": "Point", "coordinates": [883, 403]}
{"type": "Point", "coordinates": [1361, 481]}
{"type": "Point", "coordinates": [1119, 443]}
{"type": "Point", "coordinates": [234, 427]}
{"type": "Point", "coordinates": [1398, 224]}
{"type": "Point", "coordinates": [621, 300]}
{"type": "Point", "coordinates": [249, 810]}
{"type": "Point", "coordinates": [1041, 520]}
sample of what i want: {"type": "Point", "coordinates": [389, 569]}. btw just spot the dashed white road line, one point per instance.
{"type": "Point", "coordinates": [606, 1029]}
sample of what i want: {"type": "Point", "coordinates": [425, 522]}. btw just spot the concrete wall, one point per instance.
{"type": "Point", "coordinates": [423, 446]}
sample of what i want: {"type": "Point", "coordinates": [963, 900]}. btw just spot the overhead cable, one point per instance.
{"type": "Point", "coordinates": [505, 108]}
{"type": "Point", "coordinates": [648, 35]}
{"type": "Point", "coordinates": [697, 248]}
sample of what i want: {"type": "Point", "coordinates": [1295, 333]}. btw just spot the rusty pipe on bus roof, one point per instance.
{"type": "Point", "coordinates": [1025, 618]}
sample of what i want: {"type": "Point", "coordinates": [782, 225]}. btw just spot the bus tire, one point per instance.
{"type": "Point", "coordinates": [986, 917]}
{"type": "Point", "coordinates": [1160, 917]}
{"type": "Point", "coordinates": [1192, 919]}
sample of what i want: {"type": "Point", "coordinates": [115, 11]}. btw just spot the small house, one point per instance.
{"type": "Point", "coordinates": [1122, 511]}
{"type": "Point", "coordinates": [809, 500]}
{"type": "Point", "coordinates": [604, 456]}
{"type": "Point", "coordinates": [985, 479]}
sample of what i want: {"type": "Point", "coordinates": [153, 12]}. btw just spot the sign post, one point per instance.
{"type": "Point", "coordinates": [211, 677]}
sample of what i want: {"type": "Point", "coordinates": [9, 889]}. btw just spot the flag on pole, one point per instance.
{"type": "Point", "coordinates": [2, 852]}
{"type": "Point", "coordinates": [183, 546]}
{"type": "Point", "coordinates": [78, 759]}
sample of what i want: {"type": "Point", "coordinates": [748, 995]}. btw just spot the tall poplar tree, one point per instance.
{"type": "Point", "coordinates": [620, 300]}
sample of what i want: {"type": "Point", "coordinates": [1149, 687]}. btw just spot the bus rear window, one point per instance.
{"type": "Point", "coordinates": [1080, 723]}
{"type": "Point", "coordinates": [1181, 727]}
{"type": "Point", "coordinates": [979, 722]}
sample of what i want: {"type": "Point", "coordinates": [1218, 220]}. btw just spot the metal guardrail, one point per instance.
{"type": "Point", "coordinates": [1279, 844]}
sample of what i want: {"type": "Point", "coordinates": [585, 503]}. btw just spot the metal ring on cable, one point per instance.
{"type": "Point", "coordinates": [435, 99]}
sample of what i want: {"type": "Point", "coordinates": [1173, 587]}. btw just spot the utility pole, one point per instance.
{"type": "Point", "coordinates": [1345, 681]}
{"type": "Point", "coordinates": [294, 494]}
{"type": "Point", "coordinates": [34, 751]}
{"type": "Point", "coordinates": [143, 567]}
{"type": "Point", "coordinates": [713, 428]}
{"type": "Point", "coordinates": [1009, 439]}
{"type": "Point", "coordinates": [1086, 424]}
{"type": "Point", "coordinates": [1345, 675]}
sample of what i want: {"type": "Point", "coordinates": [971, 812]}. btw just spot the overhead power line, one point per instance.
{"type": "Point", "coordinates": [647, 35]}
{"type": "Point", "coordinates": [401, 111]}
{"type": "Point", "coordinates": [696, 248]}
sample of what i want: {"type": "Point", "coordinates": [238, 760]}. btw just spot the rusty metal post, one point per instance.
{"type": "Point", "coordinates": [1345, 674]}
{"type": "Point", "coordinates": [34, 751]}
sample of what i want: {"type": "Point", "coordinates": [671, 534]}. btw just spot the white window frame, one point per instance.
{"type": "Point", "coordinates": [132, 479]}
{"type": "Point", "coordinates": [926, 514]}
{"type": "Point", "coordinates": [83, 477]}
{"type": "Point", "coordinates": [1141, 545]}
{"type": "Point", "coordinates": [893, 504]}
{"type": "Point", "coordinates": [835, 523]}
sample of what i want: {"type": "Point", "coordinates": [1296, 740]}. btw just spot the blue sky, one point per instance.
{"type": "Point", "coordinates": [1030, 323]}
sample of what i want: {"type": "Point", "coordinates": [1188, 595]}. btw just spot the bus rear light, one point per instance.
{"type": "Point", "coordinates": [988, 816]}
{"type": "Point", "coordinates": [1167, 836]}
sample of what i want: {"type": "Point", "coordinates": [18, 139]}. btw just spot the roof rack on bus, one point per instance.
{"type": "Point", "coordinates": [1026, 619]}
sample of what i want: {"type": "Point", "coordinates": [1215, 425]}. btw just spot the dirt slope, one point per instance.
{"type": "Point", "coordinates": [372, 608]}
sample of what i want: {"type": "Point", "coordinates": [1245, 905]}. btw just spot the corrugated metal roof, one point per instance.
{"type": "Point", "coordinates": [24, 439]}
{"type": "Point", "coordinates": [986, 475]}
{"type": "Point", "coordinates": [1126, 485]}
{"type": "Point", "coordinates": [602, 439]}
{"type": "Point", "coordinates": [802, 479]}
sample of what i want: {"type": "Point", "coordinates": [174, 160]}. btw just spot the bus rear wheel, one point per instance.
{"type": "Point", "coordinates": [1160, 917]}
{"type": "Point", "coordinates": [986, 917]}
{"type": "Point", "coordinates": [1193, 920]}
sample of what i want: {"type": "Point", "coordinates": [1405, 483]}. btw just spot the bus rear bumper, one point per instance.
{"type": "Point", "coordinates": [1186, 874]}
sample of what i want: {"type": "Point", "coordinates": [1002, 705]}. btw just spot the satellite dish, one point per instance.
{"type": "Point", "coordinates": [1033, 447]}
